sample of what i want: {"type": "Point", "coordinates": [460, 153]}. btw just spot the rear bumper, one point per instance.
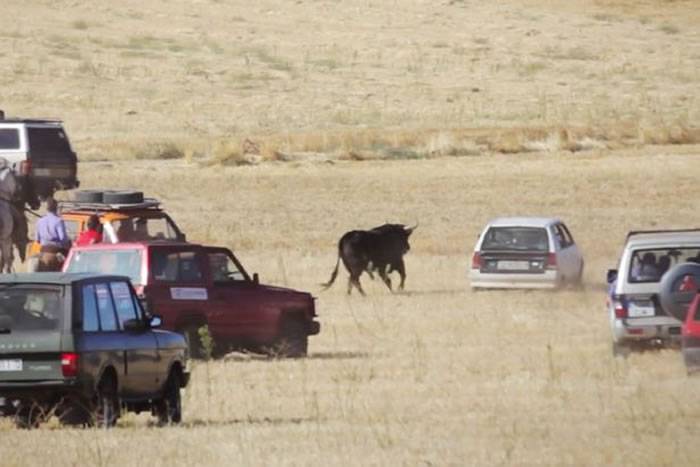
{"type": "Point", "coordinates": [545, 280]}
{"type": "Point", "coordinates": [625, 330]}
{"type": "Point", "coordinates": [37, 389]}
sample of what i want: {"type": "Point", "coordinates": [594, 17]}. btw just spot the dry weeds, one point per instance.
{"type": "Point", "coordinates": [439, 374]}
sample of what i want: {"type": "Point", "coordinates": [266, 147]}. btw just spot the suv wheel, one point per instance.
{"type": "Point", "coordinates": [293, 341]}
{"type": "Point", "coordinates": [194, 342]}
{"type": "Point", "coordinates": [29, 416]}
{"type": "Point", "coordinates": [106, 404]}
{"type": "Point", "coordinates": [169, 408]}
{"type": "Point", "coordinates": [621, 350]}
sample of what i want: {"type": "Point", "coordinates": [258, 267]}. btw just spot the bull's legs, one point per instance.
{"type": "Point", "coordinates": [401, 269]}
{"type": "Point", "coordinates": [385, 277]}
{"type": "Point", "coordinates": [355, 281]}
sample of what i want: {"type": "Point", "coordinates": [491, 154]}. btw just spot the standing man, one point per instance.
{"type": "Point", "coordinates": [51, 235]}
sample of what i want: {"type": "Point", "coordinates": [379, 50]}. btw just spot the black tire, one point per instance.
{"type": "Point", "coordinates": [106, 409]}
{"type": "Point", "coordinates": [29, 416]}
{"type": "Point", "coordinates": [169, 408]}
{"type": "Point", "coordinates": [293, 341]}
{"type": "Point", "coordinates": [195, 350]}
{"type": "Point", "coordinates": [88, 196]}
{"type": "Point", "coordinates": [122, 197]}
{"type": "Point", "coordinates": [674, 302]}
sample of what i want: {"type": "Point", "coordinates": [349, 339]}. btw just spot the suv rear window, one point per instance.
{"type": "Point", "coordinates": [117, 262]}
{"type": "Point", "coordinates": [30, 308]}
{"type": "Point", "coordinates": [516, 239]}
{"type": "Point", "coordinates": [648, 265]}
{"type": "Point", "coordinates": [47, 140]}
{"type": "Point", "coordinates": [9, 138]}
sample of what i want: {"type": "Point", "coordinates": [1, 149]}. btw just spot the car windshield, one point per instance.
{"type": "Point", "coordinates": [516, 238]}
{"type": "Point", "coordinates": [30, 308]}
{"type": "Point", "coordinates": [118, 262]}
{"type": "Point", "coordinates": [144, 228]}
{"type": "Point", "coordinates": [649, 265]}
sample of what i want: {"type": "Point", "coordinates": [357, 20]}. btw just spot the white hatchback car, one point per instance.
{"type": "Point", "coordinates": [525, 252]}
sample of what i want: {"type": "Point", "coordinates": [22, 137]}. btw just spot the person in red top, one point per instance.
{"type": "Point", "coordinates": [93, 234]}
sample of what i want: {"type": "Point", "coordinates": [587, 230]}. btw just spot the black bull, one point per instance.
{"type": "Point", "coordinates": [380, 249]}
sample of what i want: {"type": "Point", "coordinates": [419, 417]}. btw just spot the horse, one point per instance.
{"type": "Point", "coordinates": [8, 187]}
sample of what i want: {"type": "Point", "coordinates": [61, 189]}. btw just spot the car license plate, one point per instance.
{"type": "Point", "coordinates": [513, 265]}
{"type": "Point", "coordinates": [637, 310]}
{"type": "Point", "coordinates": [11, 365]}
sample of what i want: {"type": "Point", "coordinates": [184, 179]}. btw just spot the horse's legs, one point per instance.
{"type": "Point", "coordinates": [7, 255]}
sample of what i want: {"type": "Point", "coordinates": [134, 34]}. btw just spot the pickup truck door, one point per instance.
{"type": "Point", "coordinates": [691, 335]}
{"type": "Point", "coordinates": [143, 373]}
{"type": "Point", "coordinates": [235, 297]}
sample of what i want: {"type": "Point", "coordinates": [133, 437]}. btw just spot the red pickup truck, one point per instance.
{"type": "Point", "coordinates": [191, 286]}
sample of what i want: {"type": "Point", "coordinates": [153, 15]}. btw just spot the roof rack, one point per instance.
{"type": "Point", "coordinates": [148, 203]}
{"type": "Point", "coordinates": [641, 232]}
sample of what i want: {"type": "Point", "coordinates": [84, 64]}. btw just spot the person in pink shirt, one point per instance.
{"type": "Point", "coordinates": [92, 235]}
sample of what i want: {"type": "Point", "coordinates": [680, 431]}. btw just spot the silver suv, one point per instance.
{"type": "Point", "coordinates": [636, 316]}
{"type": "Point", "coordinates": [40, 154]}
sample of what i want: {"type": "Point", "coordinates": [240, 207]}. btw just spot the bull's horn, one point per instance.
{"type": "Point", "coordinates": [411, 229]}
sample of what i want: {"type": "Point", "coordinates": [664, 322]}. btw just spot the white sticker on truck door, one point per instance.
{"type": "Point", "coordinates": [188, 293]}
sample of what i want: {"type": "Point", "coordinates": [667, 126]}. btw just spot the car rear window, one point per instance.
{"type": "Point", "coordinates": [47, 140]}
{"type": "Point", "coordinates": [30, 308]}
{"type": "Point", "coordinates": [649, 265]}
{"type": "Point", "coordinates": [118, 262]}
{"type": "Point", "coordinates": [9, 138]}
{"type": "Point", "coordinates": [516, 238]}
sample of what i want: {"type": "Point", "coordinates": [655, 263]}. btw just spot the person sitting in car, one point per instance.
{"type": "Point", "coordinates": [646, 269]}
{"type": "Point", "coordinates": [93, 234]}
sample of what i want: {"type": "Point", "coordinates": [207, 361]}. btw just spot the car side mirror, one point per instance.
{"type": "Point", "coordinates": [134, 325]}
{"type": "Point", "coordinates": [612, 275]}
{"type": "Point", "coordinates": [155, 322]}
{"type": "Point", "coordinates": [256, 278]}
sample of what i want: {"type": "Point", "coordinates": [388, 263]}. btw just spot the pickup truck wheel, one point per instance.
{"type": "Point", "coordinates": [169, 408]}
{"type": "Point", "coordinates": [107, 404]}
{"type": "Point", "coordinates": [293, 341]}
{"type": "Point", "coordinates": [194, 343]}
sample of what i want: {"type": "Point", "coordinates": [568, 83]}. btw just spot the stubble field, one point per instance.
{"type": "Point", "coordinates": [557, 108]}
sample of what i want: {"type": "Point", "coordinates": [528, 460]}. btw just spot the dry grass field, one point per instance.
{"type": "Point", "coordinates": [443, 113]}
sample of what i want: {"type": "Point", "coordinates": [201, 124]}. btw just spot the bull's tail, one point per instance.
{"type": "Point", "coordinates": [334, 274]}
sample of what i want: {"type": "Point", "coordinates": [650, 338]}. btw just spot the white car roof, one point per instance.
{"type": "Point", "coordinates": [664, 239]}
{"type": "Point", "coordinates": [523, 222]}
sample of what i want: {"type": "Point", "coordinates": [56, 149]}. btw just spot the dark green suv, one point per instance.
{"type": "Point", "coordinates": [80, 347]}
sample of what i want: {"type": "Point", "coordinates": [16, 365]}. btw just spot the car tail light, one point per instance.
{"type": "Point", "coordinates": [552, 261]}
{"type": "Point", "coordinates": [476, 260]}
{"type": "Point", "coordinates": [620, 309]}
{"type": "Point", "coordinates": [635, 331]}
{"type": "Point", "coordinates": [25, 167]}
{"type": "Point", "coordinates": [69, 364]}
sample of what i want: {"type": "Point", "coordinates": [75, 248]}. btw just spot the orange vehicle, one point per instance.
{"type": "Point", "coordinates": [139, 220]}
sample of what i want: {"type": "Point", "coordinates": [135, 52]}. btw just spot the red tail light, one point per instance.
{"type": "Point", "coordinates": [25, 167]}
{"type": "Point", "coordinates": [476, 261]}
{"type": "Point", "coordinates": [552, 261]}
{"type": "Point", "coordinates": [620, 309]}
{"type": "Point", "coordinates": [69, 364]}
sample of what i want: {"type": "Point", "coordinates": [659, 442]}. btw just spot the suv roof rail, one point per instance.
{"type": "Point", "coordinates": [641, 232]}
{"type": "Point", "coordinates": [5, 119]}
{"type": "Point", "coordinates": [148, 203]}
